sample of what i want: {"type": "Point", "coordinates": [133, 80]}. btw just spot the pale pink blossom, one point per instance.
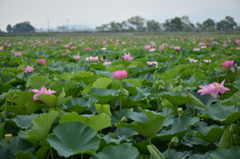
{"type": "Point", "coordinates": [224, 45]}
{"type": "Point", "coordinates": [42, 91]}
{"type": "Point", "coordinates": [1, 48]}
{"type": "Point", "coordinates": [147, 47]}
{"type": "Point", "coordinates": [42, 61]}
{"type": "Point", "coordinates": [77, 57]}
{"type": "Point", "coordinates": [227, 64]}
{"type": "Point", "coordinates": [207, 60]}
{"type": "Point", "coordinates": [64, 54]}
{"type": "Point", "coordinates": [107, 63]}
{"type": "Point", "coordinates": [192, 60]}
{"type": "Point", "coordinates": [73, 47]}
{"type": "Point", "coordinates": [88, 49]}
{"type": "Point", "coordinates": [120, 74]}
{"type": "Point", "coordinates": [28, 69]}
{"type": "Point", "coordinates": [213, 89]}
{"type": "Point", "coordinates": [127, 57]}
{"type": "Point", "coordinates": [177, 47]}
{"type": "Point", "coordinates": [152, 50]}
{"type": "Point", "coordinates": [18, 54]}
{"type": "Point", "coordinates": [103, 48]}
{"type": "Point", "coordinates": [196, 49]}
{"type": "Point", "coordinates": [151, 63]}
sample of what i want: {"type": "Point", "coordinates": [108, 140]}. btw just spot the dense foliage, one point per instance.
{"type": "Point", "coordinates": [120, 97]}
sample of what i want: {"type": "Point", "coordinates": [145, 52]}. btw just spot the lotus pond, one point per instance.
{"type": "Point", "coordinates": [125, 97]}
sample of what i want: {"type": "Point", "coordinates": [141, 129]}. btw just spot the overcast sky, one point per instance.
{"type": "Point", "coordinates": [96, 12]}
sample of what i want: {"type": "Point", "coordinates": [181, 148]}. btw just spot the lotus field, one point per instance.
{"type": "Point", "coordinates": [120, 97]}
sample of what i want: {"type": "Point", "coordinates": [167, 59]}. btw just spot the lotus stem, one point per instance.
{"type": "Point", "coordinates": [231, 139]}
{"type": "Point", "coordinates": [168, 151]}
{"type": "Point", "coordinates": [237, 130]}
{"type": "Point", "coordinates": [51, 153]}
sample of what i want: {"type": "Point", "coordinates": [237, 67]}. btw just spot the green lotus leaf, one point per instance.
{"type": "Point", "coordinates": [24, 155]}
{"type": "Point", "coordinates": [179, 127]}
{"type": "Point", "coordinates": [117, 152]}
{"type": "Point", "coordinates": [83, 74]}
{"type": "Point", "coordinates": [173, 154]}
{"type": "Point", "coordinates": [176, 98]}
{"type": "Point", "coordinates": [226, 138]}
{"type": "Point", "coordinates": [198, 156]}
{"type": "Point", "coordinates": [37, 82]}
{"type": "Point", "coordinates": [7, 77]}
{"type": "Point", "coordinates": [103, 109]}
{"type": "Point", "coordinates": [102, 83]}
{"type": "Point", "coordinates": [103, 95]}
{"type": "Point", "coordinates": [155, 152]}
{"type": "Point", "coordinates": [66, 85]}
{"type": "Point", "coordinates": [68, 142]}
{"type": "Point", "coordinates": [210, 134]}
{"type": "Point", "coordinates": [221, 113]}
{"type": "Point", "coordinates": [170, 74]}
{"type": "Point", "coordinates": [118, 115]}
{"type": "Point", "coordinates": [6, 153]}
{"type": "Point", "coordinates": [112, 138]}
{"type": "Point", "coordinates": [41, 126]}
{"type": "Point", "coordinates": [17, 144]}
{"type": "Point", "coordinates": [24, 121]}
{"type": "Point", "coordinates": [147, 129]}
{"type": "Point", "coordinates": [132, 100]}
{"type": "Point", "coordinates": [56, 66]}
{"type": "Point", "coordinates": [220, 153]}
{"type": "Point", "coordinates": [96, 122]}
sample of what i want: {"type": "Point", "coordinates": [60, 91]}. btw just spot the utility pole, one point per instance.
{"type": "Point", "coordinates": [48, 24]}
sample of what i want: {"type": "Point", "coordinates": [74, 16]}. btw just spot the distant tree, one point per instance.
{"type": "Point", "coordinates": [167, 25]}
{"type": "Point", "coordinates": [199, 26]}
{"type": "Point", "coordinates": [137, 22]}
{"type": "Point", "coordinates": [124, 26]}
{"type": "Point", "coordinates": [222, 25]}
{"type": "Point", "coordinates": [208, 24]}
{"type": "Point", "coordinates": [9, 28]}
{"type": "Point", "coordinates": [153, 25]}
{"type": "Point", "coordinates": [176, 24]}
{"type": "Point", "coordinates": [23, 27]}
{"type": "Point", "coordinates": [231, 23]}
{"type": "Point", "coordinates": [187, 25]}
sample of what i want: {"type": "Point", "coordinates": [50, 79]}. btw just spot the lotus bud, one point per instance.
{"type": "Point", "coordinates": [8, 138]}
{"type": "Point", "coordinates": [180, 111]}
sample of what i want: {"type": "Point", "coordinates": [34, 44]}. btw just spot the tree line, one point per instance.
{"type": "Point", "coordinates": [137, 23]}
{"type": "Point", "coordinates": [20, 27]}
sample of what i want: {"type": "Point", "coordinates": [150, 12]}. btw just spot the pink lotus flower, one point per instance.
{"type": "Point", "coordinates": [120, 74]}
{"type": "Point", "coordinates": [88, 49]}
{"type": "Point", "coordinates": [42, 61]}
{"type": "Point", "coordinates": [147, 47]}
{"type": "Point", "coordinates": [152, 50]}
{"type": "Point", "coordinates": [227, 64]}
{"type": "Point", "coordinates": [42, 91]}
{"type": "Point", "coordinates": [73, 47]}
{"type": "Point", "coordinates": [196, 49]}
{"type": "Point", "coordinates": [103, 48]}
{"type": "Point", "coordinates": [18, 54]}
{"type": "Point", "coordinates": [107, 63]}
{"type": "Point", "coordinates": [127, 57]}
{"type": "Point", "coordinates": [93, 58]}
{"type": "Point", "coordinates": [207, 60]}
{"type": "Point", "coordinates": [192, 60]}
{"type": "Point", "coordinates": [213, 89]}
{"type": "Point", "coordinates": [28, 69]}
{"type": "Point", "coordinates": [64, 54]}
{"type": "Point", "coordinates": [224, 45]}
{"type": "Point", "coordinates": [151, 63]}
{"type": "Point", "coordinates": [1, 48]}
{"type": "Point", "coordinates": [177, 48]}
{"type": "Point", "coordinates": [76, 57]}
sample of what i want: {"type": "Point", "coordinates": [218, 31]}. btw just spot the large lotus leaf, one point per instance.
{"type": "Point", "coordinates": [147, 129]}
{"type": "Point", "coordinates": [134, 82]}
{"type": "Point", "coordinates": [103, 109]}
{"type": "Point", "coordinates": [226, 138]}
{"type": "Point", "coordinates": [210, 134]}
{"type": "Point", "coordinates": [118, 115]}
{"type": "Point", "coordinates": [139, 116]}
{"type": "Point", "coordinates": [37, 82]}
{"type": "Point", "coordinates": [51, 100]}
{"type": "Point", "coordinates": [101, 83]}
{"type": "Point", "coordinates": [73, 138]}
{"type": "Point", "coordinates": [5, 153]}
{"type": "Point", "coordinates": [132, 100]}
{"type": "Point", "coordinates": [43, 151]}
{"type": "Point", "coordinates": [41, 54]}
{"type": "Point", "coordinates": [198, 156]}
{"type": "Point", "coordinates": [104, 73]}
{"type": "Point", "coordinates": [220, 153]}
{"type": "Point", "coordinates": [57, 66]}
{"type": "Point", "coordinates": [196, 101]}
{"type": "Point", "coordinates": [103, 95]}
{"type": "Point", "coordinates": [179, 127]}
{"type": "Point", "coordinates": [83, 74]}
{"type": "Point", "coordinates": [66, 85]}
{"type": "Point", "coordinates": [89, 79]}
{"type": "Point", "coordinates": [25, 105]}
{"type": "Point", "coordinates": [170, 74]}
{"type": "Point", "coordinates": [112, 138]}
{"type": "Point", "coordinates": [223, 114]}
{"type": "Point", "coordinates": [24, 121]}
{"type": "Point", "coordinates": [176, 98]}
{"type": "Point", "coordinates": [173, 154]}
{"type": "Point", "coordinates": [96, 122]}
{"type": "Point", "coordinates": [5, 88]}
{"type": "Point", "coordinates": [130, 88]}
{"type": "Point", "coordinates": [24, 155]}
{"type": "Point", "coordinates": [6, 77]}
{"type": "Point", "coordinates": [41, 126]}
{"type": "Point", "coordinates": [232, 100]}
{"type": "Point", "coordinates": [17, 144]}
{"type": "Point", "coordinates": [117, 152]}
